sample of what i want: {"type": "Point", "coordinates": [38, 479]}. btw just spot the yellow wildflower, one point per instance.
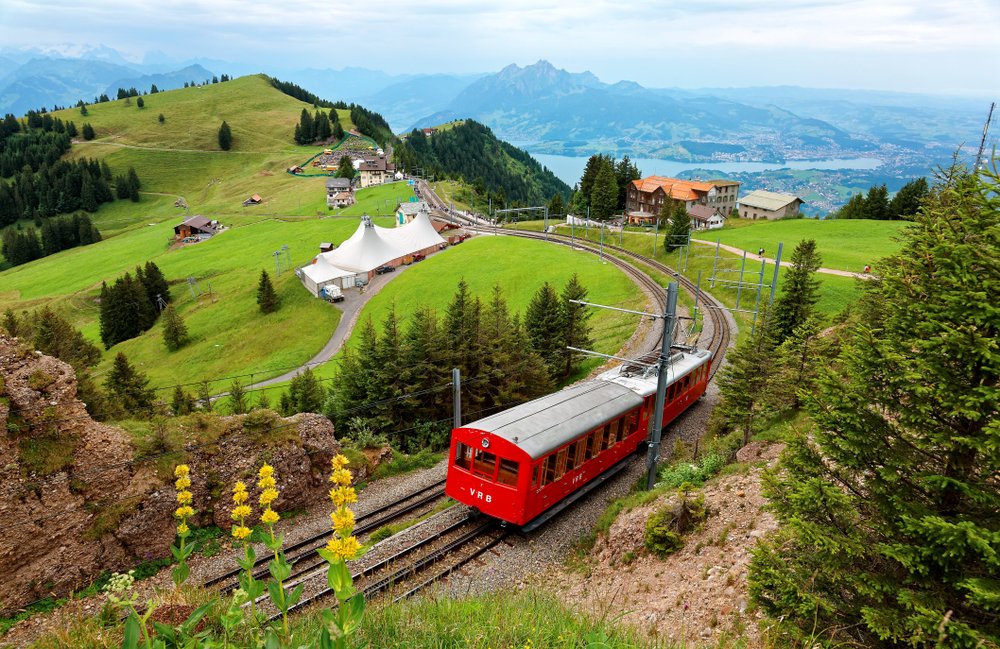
{"type": "Point", "coordinates": [266, 483]}
{"type": "Point", "coordinates": [339, 461]}
{"type": "Point", "coordinates": [182, 529]}
{"type": "Point", "coordinates": [241, 511]}
{"type": "Point", "coordinates": [265, 471]}
{"type": "Point", "coordinates": [184, 497]}
{"type": "Point", "coordinates": [240, 532]}
{"type": "Point", "coordinates": [341, 477]}
{"type": "Point", "coordinates": [343, 520]}
{"type": "Point", "coordinates": [268, 496]}
{"type": "Point", "coordinates": [183, 483]}
{"type": "Point", "coordinates": [343, 495]}
{"type": "Point", "coordinates": [184, 512]}
{"type": "Point", "coordinates": [181, 470]}
{"type": "Point", "coordinates": [240, 494]}
{"type": "Point", "coordinates": [270, 517]}
{"type": "Point", "coordinates": [346, 549]}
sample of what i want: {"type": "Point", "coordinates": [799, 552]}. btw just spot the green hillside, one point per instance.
{"type": "Point", "coordinates": [180, 158]}
{"type": "Point", "coordinates": [844, 245]}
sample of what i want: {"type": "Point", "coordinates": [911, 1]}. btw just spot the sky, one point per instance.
{"type": "Point", "coordinates": [927, 46]}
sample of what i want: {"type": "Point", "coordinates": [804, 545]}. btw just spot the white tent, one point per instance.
{"type": "Point", "coordinates": [368, 248]}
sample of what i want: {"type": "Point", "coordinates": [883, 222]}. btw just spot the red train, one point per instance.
{"type": "Point", "coordinates": [525, 464]}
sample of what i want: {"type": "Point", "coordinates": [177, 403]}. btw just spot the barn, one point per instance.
{"type": "Point", "coordinates": [369, 248]}
{"type": "Point", "coordinates": [196, 226]}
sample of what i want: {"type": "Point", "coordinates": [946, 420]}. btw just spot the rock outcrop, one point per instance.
{"type": "Point", "coordinates": [77, 498]}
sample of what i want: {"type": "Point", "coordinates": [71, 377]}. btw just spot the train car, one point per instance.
{"type": "Point", "coordinates": [524, 464]}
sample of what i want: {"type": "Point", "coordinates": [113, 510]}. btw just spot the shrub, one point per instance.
{"type": "Point", "coordinates": [39, 380]}
{"type": "Point", "coordinates": [675, 475]}
{"type": "Point", "coordinates": [665, 528]}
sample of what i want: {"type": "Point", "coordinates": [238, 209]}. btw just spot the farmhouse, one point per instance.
{"type": "Point", "coordinates": [762, 204]}
{"type": "Point", "coordinates": [339, 192]}
{"type": "Point", "coordinates": [646, 197]}
{"type": "Point", "coordinates": [370, 247]}
{"type": "Point", "coordinates": [196, 226]}
{"type": "Point", "coordinates": [253, 200]}
{"type": "Point", "coordinates": [705, 217]}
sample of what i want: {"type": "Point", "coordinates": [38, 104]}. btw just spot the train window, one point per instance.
{"type": "Point", "coordinates": [571, 462]}
{"type": "Point", "coordinates": [592, 444]}
{"type": "Point", "coordinates": [536, 477]}
{"type": "Point", "coordinates": [550, 469]}
{"type": "Point", "coordinates": [581, 446]}
{"type": "Point", "coordinates": [622, 429]}
{"type": "Point", "coordinates": [631, 422]}
{"type": "Point", "coordinates": [560, 464]}
{"type": "Point", "coordinates": [508, 472]}
{"type": "Point", "coordinates": [485, 464]}
{"type": "Point", "coordinates": [613, 430]}
{"type": "Point", "coordinates": [463, 455]}
{"type": "Point", "coordinates": [607, 439]}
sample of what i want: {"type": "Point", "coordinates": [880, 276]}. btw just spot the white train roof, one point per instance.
{"type": "Point", "coordinates": [642, 379]}
{"type": "Point", "coordinates": [544, 424]}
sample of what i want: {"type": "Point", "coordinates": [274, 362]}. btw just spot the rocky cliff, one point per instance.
{"type": "Point", "coordinates": [78, 498]}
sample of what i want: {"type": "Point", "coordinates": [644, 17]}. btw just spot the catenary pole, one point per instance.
{"type": "Point", "coordinates": [456, 396]}
{"type": "Point", "coordinates": [669, 317]}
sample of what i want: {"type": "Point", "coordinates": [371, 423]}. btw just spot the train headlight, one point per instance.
{"type": "Point", "coordinates": [486, 443]}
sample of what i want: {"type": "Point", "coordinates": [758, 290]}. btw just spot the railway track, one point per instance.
{"type": "Point", "coordinates": [405, 571]}
{"type": "Point", "coordinates": [302, 554]}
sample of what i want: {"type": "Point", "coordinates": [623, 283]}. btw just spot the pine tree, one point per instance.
{"type": "Point", "coordinates": [680, 226]}
{"type": "Point", "coordinates": [88, 131]}
{"type": "Point", "coordinates": [204, 396]}
{"type": "Point", "coordinates": [155, 285]}
{"type": "Point", "coordinates": [140, 104]}
{"type": "Point", "coordinates": [544, 324]}
{"type": "Point", "coordinates": [556, 207]}
{"type": "Point", "coordinates": [604, 196]}
{"type": "Point", "coordinates": [461, 330]}
{"type": "Point", "coordinates": [574, 317]}
{"type": "Point", "coordinates": [133, 185]}
{"type": "Point", "coordinates": [345, 169]}
{"type": "Point", "coordinates": [423, 364]}
{"type": "Point", "coordinates": [890, 504]}
{"type": "Point", "coordinates": [906, 202]}
{"type": "Point", "coordinates": [129, 388]}
{"type": "Point", "coordinates": [161, 119]}
{"type": "Point", "coordinates": [175, 334]}
{"type": "Point", "coordinates": [799, 291]}
{"type": "Point", "coordinates": [877, 203]}
{"type": "Point", "coordinates": [625, 172]}
{"type": "Point", "coordinates": [225, 136]}
{"type": "Point", "coordinates": [305, 393]}
{"type": "Point", "coordinates": [238, 404]}
{"type": "Point", "coordinates": [182, 403]}
{"type": "Point", "coordinates": [267, 299]}
{"type": "Point", "coordinates": [745, 383]}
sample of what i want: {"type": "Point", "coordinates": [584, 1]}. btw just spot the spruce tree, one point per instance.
{"type": "Point", "coordinates": [745, 383]}
{"type": "Point", "coordinates": [906, 202]}
{"type": "Point", "coordinates": [799, 291]}
{"type": "Point", "coordinates": [890, 505]}
{"type": "Point", "coordinates": [88, 131]}
{"type": "Point", "coordinates": [238, 403]}
{"type": "Point", "coordinates": [680, 226]}
{"type": "Point", "coordinates": [423, 364]}
{"type": "Point", "coordinates": [544, 324]}
{"type": "Point", "coordinates": [204, 396]}
{"type": "Point", "coordinates": [604, 195]}
{"type": "Point", "coordinates": [225, 136]}
{"type": "Point", "coordinates": [556, 207]}
{"type": "Point", "coordinates": [576, 331]}
{"type": "Point", "coordinates": [129, 388]}
{"type": "Point", "coordinates": [305, 393]}
{"type": "Point", "coordinates": [267, 299]}
{"type": "Point", "coordinates": [140, 104]}
{"type": "Point", "coordinates": [175, 334]}
{"type": "Point", "coordinates": [155, 285]}
{"type": "Point", "coordinates": [133, 185]}
{"type": "Point", "coordinates": [182, 403]}
{"type": "Point", "coordinates": [345, 168]}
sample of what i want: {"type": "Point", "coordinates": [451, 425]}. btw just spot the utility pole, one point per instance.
{"type": "Point", "coordinates": [669, 318]}
{"type": "Point", "coordinates": [977, 163]}
{"type": "Point", "coordinates": [456, 397]}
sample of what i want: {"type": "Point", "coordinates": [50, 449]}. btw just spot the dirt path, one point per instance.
{"type": "Point", "coordinates": [785, 264]}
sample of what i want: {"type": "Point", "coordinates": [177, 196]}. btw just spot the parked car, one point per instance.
{"type": "Point", "coordinates": [419, 257]}
{"type": "Point", "coordinates": [382, 270]}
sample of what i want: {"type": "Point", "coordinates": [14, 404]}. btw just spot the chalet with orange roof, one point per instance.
{"type": "Point", "coordinates": [647, 196]}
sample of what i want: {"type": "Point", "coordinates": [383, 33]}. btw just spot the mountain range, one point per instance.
{"type": "Point", "coordinates": [545, 109]}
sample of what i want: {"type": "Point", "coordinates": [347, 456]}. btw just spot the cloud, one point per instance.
{"type": "Point", "coordinates": [653, 41]}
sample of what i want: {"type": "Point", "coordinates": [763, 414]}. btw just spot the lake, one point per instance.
{"type": "Point", "coordinates": [570, 168]}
